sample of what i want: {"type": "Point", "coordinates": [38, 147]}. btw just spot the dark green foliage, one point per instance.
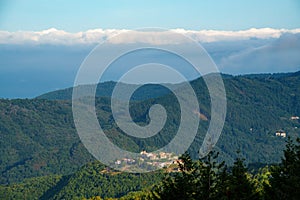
{"type": "Point", "coordinates": [240, 185]}
{"type": "Point", "coordinates": [38, 137]}
{"type": "Point", "coordinates": [285, 177]}
{"type": "Point", "coordinates": [94, 179]}
{"type": "Point", "coordinates": [33, 188]}
{"type": "Point", "coordinates": [203, 179]}
{"type": "Point", "coordinates": [140, 195]}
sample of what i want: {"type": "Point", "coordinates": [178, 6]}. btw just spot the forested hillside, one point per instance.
{"type": "Point", "coordinates": [205, 178]}
{"type": "Point", "coordinates": [93, 179]}
{"type": "Point", "coordinates": [38, 137]}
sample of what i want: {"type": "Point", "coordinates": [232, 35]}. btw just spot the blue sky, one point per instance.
{"type": "Point", "coordinates": [33, 61]}
{"type": "Point", "coordinates": [74, 16]}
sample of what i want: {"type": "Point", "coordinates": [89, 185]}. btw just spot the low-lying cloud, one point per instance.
{"type": "Point", "coordinates": [280, 55]}
{"type": "Point", "coordinates": [61, 37]}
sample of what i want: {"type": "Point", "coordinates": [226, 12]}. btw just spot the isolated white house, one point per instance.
{"type": "Point", "coordinates": [294, 118]}
{"type": "Point", "coordinates": [280, 134]}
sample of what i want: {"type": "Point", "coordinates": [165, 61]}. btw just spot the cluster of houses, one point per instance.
{"type": "Point", "coordinates": [160, 159]}
{"type": "Point", "coordinates": [158, 156]}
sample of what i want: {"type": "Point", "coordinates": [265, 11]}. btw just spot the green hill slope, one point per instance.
{"type": "Point", "coordinates": [93, 179]}
{"type": "Point", "coordinates": [38, 137]}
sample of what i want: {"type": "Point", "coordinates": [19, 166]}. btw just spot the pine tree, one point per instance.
{"type": "Point", "coordinates": [200, 179]}
{"type": "Point", "coordinates": [285, 178]}
{"type": "Point", "coordinates": [211, 176]}
{"type": "Point", "coordinates": [241, 186]}
{"type": "Point", "coordinates": [179, 185]}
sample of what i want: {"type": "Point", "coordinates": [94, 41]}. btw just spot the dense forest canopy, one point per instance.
{"type": "Point", "coordinates": [40, 147]}
{"type": "Point", "coordinates": [205, 178]}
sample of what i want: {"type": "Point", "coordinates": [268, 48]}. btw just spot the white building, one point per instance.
{"type": "Point", "coordinates": [294, 118]}
{"type": "Point", "coordinates": [280, 134]}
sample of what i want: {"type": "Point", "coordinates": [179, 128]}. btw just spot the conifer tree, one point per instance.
{"type": "Point", "coordinates": [240, 184]}
{"type": "Point", "coordinates": [285, 178]}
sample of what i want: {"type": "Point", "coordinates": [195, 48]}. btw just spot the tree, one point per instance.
{"type": "Point", "coordinates": [261, 180]}
{"type": "Point", "coordinates": [212, 178]}
{"type": "Point", "coordinates": [285, 178]}
{"type": "Point", "coordinates": [240, 184]}
{"type": "Point", "coordinates": [200, 179]}
{"type": "Point", "coordinates": [178, 185]}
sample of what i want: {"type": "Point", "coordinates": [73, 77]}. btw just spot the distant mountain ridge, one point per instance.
{"type": "Point", "coordinates": [105, 90]}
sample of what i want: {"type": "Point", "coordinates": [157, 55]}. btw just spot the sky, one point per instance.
{"type": "Point", "coordinates": [44, 42]}
{"type": "Point", "coordinates": [77, 15]}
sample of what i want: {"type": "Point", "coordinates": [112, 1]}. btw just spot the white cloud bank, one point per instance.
{"type": "Point", "coordinates": [54, 36]}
